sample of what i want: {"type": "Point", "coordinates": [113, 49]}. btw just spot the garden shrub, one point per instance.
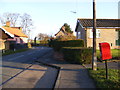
{"type": "Point", "coordinates": [79, 55]}
{"type": "Point", "coordinates": [57, 45]}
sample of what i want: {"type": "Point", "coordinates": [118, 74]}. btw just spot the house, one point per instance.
{"type": "Point", "coordinates": [107, 30]}
{"type": "Point", "coordinates": [18, 37]}
{"type": "Point", "coordinates": [64, 35]}
{"type": "Point", "coordinates": [61, 32]}
{"type": "Point", "coordinates": [3, 38]}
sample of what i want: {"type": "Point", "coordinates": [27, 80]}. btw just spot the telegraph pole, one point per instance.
{"type": "Point", "coordinates": [94, 58]}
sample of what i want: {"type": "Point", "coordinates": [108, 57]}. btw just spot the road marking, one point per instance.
{"type": "Point", "coordinates": [16, 57]}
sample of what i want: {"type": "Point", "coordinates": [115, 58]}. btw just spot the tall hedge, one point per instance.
{"type": "Point", "coordinates": [57, 45]}
{"type": "Point", "coordinates": [79, 55]}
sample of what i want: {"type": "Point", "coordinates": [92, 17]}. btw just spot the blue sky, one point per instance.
{"type": "Point", "coordinates": [49, 15]}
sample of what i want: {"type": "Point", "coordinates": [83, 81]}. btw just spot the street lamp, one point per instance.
{"type": "Point", "coordinates": [94, 58]}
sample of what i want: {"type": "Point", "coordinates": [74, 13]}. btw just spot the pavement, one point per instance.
{"type": "Point", "coordinates": [70, 75]}
{"type": "Point", "coordinates": [27, 79]}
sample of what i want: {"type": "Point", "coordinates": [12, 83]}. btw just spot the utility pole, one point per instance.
{"type": "Point", "coordinates": [94, 58]}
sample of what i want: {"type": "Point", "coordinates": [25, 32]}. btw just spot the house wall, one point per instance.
{"type": "Point", "coordinates": [80, 34]}
{"type": "Point", "coordinates": [19, 40]}
{"type": "Point", "coordinates": [106, 35]}
{"type": "Point", "coordinates": [3, 37]}
{"type": "Point", "coordinates": [24, 39]}
{"type": "Point", "coordinates": [2, 44]}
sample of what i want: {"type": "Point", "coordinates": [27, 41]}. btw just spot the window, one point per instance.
{"type": "Point", "coordinates": [97, 33]}
{"type": "Point", "coordinates": [118, 38]}
{"type": "Point", "coordinates": [79, 35]}
{"type": "Point", "coordinates": [118, 42]}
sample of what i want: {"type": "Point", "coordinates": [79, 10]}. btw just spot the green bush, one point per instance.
{"type": "Point", "coordinates": [80, 55]}
{"type": "Point", "coordinates": [57, 45]}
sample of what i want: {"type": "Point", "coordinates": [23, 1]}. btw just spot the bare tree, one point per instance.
{"type": "Point", "coordinates": [1, 20]}
{"type": "Point", "coordinates": [26, 23]}
{"type": "Point", "coordinates": [12, 17]}
{"type": "Point", "coordinates": [42, 36]}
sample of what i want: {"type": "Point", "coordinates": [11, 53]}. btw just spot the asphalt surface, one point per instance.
{"type": "Point", "coordinates": [21, 71]}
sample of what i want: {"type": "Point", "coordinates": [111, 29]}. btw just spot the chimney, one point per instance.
{"type": "Point", "coordinates": [20, 28]}
{"type": "Point", "coordinates": [8, 23]}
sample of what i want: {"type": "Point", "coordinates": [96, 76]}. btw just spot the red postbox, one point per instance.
{"type": "Point", "coordinates": [105, 51]}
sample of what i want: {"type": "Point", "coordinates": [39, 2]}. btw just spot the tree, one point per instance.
{"type": "Point", "coordinates": [68, 33]}
{"type": "Point", "coordinates": [12, 17]}
{"type": "Point", "coordinates": [43, 37]}
{"type": "Point", "coordinates": [67, 28]}
{"type": "Point", "coordinates": [1, 21]}
{"type": "Point", "coordinates": [26, 23]}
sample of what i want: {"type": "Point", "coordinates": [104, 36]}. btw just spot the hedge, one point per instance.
{"type": "Point", "coordinates": [79, 55]}
{"type": "Point", "coordinates": [57, 45]}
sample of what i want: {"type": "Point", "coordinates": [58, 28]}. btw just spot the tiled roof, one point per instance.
{"type": "Point", "coordinates": [62, 30]}
{"type": "Point", "coordinates": [100, 22]}
{"type": "Point", "coordinates": [15, 31]}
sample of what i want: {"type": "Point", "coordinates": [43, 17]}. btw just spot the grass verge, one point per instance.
{"type": "Point", "coordinates": [99, 77]}
{"type": "Point", "coordinates": [114, 52]}
{"type": "Point", "coordinates": [12, 52]}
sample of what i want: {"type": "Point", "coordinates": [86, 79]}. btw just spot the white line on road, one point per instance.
{"type": "Point", "coordinates": [16, 57]}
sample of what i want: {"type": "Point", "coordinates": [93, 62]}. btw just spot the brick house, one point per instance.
{"type": "Point", "coordinates": [17, 38]}
{"type": "Point", "coordinates": [3, 38]}
{"type": "Point", "coordinates": [107, 30]}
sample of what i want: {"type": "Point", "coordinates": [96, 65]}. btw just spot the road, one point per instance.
{"type": "Point", "coordinates": [20, 70]}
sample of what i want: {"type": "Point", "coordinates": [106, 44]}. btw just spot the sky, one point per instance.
{"type": "Point", "coordinates": [49, 15]}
